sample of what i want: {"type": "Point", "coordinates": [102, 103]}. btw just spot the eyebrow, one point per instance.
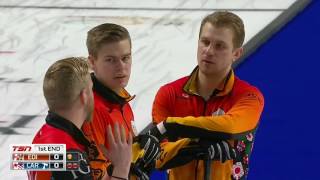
{"type": "Point", "coordinates": [128, 54]}
{"type": "Point", "coordinates": [219, 41]}
{"type": "Point", "coordinates": [107, 56]}
{"type": "Point", "coordinates": [216, 41]}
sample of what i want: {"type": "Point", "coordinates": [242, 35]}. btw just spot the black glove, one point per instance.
{"type": "Point", "coordinates": [218, 150]}
{"type": "Point", "coordinates": [201, 150]}
{"type": "Point", "coordinates": [140, 171]}
{"type": "Point", "coordinates": [151, 146]}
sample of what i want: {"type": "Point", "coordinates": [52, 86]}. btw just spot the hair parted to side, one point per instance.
{"type": "Point", "coordinates": [228, 20]}
{"type": "Point", "coordinates": [64, 80]}
{"type": "Point", "coordinates": [103, 34]}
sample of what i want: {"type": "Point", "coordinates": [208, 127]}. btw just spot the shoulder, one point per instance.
{"type": "Point", "coordinates": [176, 85]}
{"type": "Point", "coordinates": [242, 88]}
{"type": "Point", "coordinates": [99, 102]}
{"type": "Point", "coordinates": [51, 135]}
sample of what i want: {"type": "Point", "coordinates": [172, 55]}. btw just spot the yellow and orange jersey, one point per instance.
{"type": "Point", "coordinates": [232, 113]}
{"type": "Point", "coordinates": [109, 108]}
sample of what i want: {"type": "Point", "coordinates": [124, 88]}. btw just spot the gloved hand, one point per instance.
{"type": "Point", "coordinates": [201, 150]}
{"type": "Point", "coordinates": [151, 147]}
{"type": "Point", "coordinates": [218, 150]}
{"type": "Point", "coordinates": [145, 151]}
{"type": "Point", "coordinates": [140, 171]}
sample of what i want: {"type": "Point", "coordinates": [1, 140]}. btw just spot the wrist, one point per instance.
{"type": "Point", "coordinates": [158, 131]}
{"type": "Point", "coordinates": [120, 171]}
{"type": "Point", "coordinates": [161, 128]}
{"type": "Point", "coordinates": [117, 177]}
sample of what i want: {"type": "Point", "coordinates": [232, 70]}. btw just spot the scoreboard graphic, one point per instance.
{"type": "Point", "coordinates": [43, 157]}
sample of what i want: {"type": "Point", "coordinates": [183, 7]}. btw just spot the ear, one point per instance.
{"type": "Point", "coordinates": [91, 60]}
{"type": "Point", "coordinates": [83, 96]}
{"type": "Point", "coordinates": [237, 53]}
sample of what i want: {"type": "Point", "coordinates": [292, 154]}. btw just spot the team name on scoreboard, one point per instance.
{"type": "Point", "coordinates": [43, 157]}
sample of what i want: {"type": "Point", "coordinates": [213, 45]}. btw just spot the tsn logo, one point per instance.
{"type": "Point", "coordinates": [21, 148]}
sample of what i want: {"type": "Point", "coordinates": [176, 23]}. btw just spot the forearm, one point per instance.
{"type": "Point", "coordinates": [120, 173]}
{"type": "Point", "coordinates": [238, 121]}
{"type": "Point", "coordinates": [241, 118]}
{"type": "Point", "coordinates": [214, 128]}
{"type": "Point", "coordinates": [169, 150]}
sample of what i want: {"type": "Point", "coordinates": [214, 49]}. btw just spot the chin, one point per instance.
{"type": "Point", "coordinates": [207, 71]}
{"type": "Point", "coordinates": [123, 85]}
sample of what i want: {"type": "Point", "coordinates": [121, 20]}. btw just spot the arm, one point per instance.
{"type": "Point", "coordinates": [242, 118]}
{"type": "Point", "coordinates": [168, 151]}
{"type": "Point", "coordinates": [177, 153]}
{"type": "Point", "coordinates": [119, 152]}
{"type": "Point", "coordinates": [185, 150]}
{"type": "Point", "coordinates": [144, 149]}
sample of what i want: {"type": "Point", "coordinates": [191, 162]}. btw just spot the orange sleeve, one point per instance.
{"type": "Point", "coordinates": [242, 118]}
{"type": "Point", "coordinates": [169, 150]}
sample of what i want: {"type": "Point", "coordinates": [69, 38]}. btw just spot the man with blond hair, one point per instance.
{"type": "Point", "coordinates": [67, 88]}
{"type": "Point", "coordinates": [212, 106]}
{"type": "Point", "coordinates": [109, 47]}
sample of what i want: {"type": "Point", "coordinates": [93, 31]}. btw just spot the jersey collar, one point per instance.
{"type": "Point", "coordinates": [67, 126]}
{"type": "Point", "coordinates": [223, 89]}
{"type": "Point", "coordinates": [121, 98]}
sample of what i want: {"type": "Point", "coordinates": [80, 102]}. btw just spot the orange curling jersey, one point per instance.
{"type": "Point", "coordinates": [232, 113]}
{"type": "Point", "coordinates": [109, 108]}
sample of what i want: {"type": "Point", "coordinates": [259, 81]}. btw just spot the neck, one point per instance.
{"type": "Point", "coordinates": [74, 116]}
{"type": "Point", "coordinates": [206, 84]}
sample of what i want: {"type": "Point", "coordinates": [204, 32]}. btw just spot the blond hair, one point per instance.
{"type": "Point", "coordinates": [103, 34]}
{"type": "Point", "coordinates": [64, 80]}
{"type": "Point", "coordinates": [228, 20]}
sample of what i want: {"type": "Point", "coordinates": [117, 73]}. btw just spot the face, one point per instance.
{"type": "Point", "coordinates": [90, 102]}
{"type": "Point", "coordinates": [112, 66]}
{"type": "Point", "coordinates": [216, 52]}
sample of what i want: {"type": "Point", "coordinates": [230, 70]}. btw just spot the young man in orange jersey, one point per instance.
{"type": "Point", "coordinates": [109, 48]}
{"type": "Point", "coordinates": [68, 92]}
{"type": "Point", "coordinates": [210, 104]}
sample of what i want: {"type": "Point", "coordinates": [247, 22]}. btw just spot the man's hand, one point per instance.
{"type": "Point", "coordinates": [201, 150]}
{"type": "Point", "coordinates": [151, 147]}
{"type": "Point", "coordinates": [218, 150]}
{"type": "Point", "coordinates": [119, 152]}
{"type": "Point", "coordinates": [146, 150]}
{"type": "Point", "coordinates": [139, 171]}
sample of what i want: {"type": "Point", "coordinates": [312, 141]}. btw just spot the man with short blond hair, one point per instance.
{"type": "Point", "coordinates": [210, 111]}
{"type": "Point", "coordinates": [67, 88]}
{"type": "Point", "coordinates": [61, 92]}
{"type": "Point", "coordinates": [109, 48]}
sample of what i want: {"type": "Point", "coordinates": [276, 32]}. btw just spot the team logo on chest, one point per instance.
{"type": "Point", "coordinates": [218, 112]}
{"type": "Point", "coordinates": [185, 95]}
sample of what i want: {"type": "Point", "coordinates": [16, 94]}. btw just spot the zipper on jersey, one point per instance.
{"type": "Point", "coordinates": [124, 119]}
{"type": "Point", "coordinates": [204, 107]}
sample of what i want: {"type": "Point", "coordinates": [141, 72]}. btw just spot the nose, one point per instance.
{"type": "Point", "coordinates": [209, 49]}
{"type": "Point", "coordinates": [120, 65]}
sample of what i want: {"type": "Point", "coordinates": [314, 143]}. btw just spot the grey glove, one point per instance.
{"type": "Point", "coordinates": [151, 146]}
{"type": "Point", "coordinates": [218, 150]}
{"type": "Point", "coordinates": [138, 170]}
